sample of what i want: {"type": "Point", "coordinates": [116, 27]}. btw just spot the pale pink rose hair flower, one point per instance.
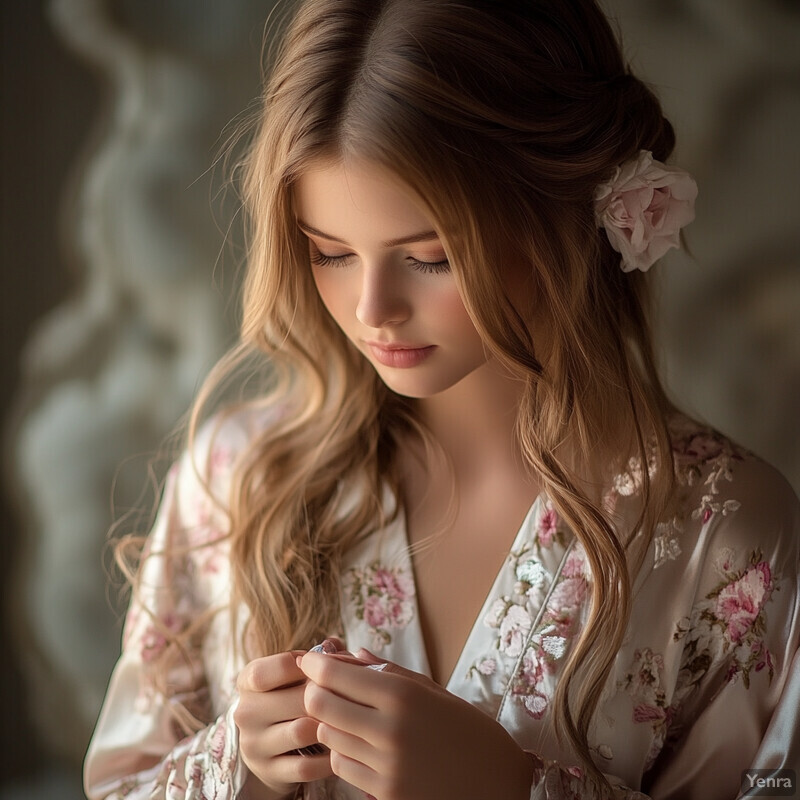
{"type": "Point", "coordinates": [643, 208]}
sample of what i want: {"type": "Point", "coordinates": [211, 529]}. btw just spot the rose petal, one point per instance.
{"type": "Point", "coordinates": [643, 208]}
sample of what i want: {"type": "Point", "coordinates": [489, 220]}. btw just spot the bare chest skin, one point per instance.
{"type": "Point", "coordinates": [455, 568]}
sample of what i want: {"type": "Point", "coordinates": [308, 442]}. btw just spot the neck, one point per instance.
{"type": "Point", "coordinates": [474, 422]}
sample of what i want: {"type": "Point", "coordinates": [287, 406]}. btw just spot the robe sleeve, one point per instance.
{"type": "Point", "coordinates": [156, 736]}
{"type": "Point", "coordinates": [734, 708]}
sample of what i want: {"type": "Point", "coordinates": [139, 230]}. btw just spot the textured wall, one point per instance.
{"type": "Point", "coordinates": [107, 373]}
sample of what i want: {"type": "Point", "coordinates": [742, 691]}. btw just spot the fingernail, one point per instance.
{"type": "Point", "coordinates": [377, 667]}
{"type": "Point", "coordinates": [326, 646]}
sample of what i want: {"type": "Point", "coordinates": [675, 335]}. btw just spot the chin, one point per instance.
{"type": "Point", "coordinates": [420, 387]}
{"type": "Point", "coordinates": [411, 388]}
{"type": "Point", "coordinates": [411, 392]}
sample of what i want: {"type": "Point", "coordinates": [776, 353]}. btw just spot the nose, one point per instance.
{"type": "Point", "coordinates": [382, 301]}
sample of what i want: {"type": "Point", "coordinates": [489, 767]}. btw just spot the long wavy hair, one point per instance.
{"type": "Point", "coordinates": [504, 116]}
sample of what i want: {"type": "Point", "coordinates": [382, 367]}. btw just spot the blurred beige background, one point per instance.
{"type": "Point", "coordinates": [118, 288]}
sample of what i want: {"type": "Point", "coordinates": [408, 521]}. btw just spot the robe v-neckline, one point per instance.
{"type": "Point", "coordinates": [389, 549]}
{"type": "Point", "coordinates": [460, 667]}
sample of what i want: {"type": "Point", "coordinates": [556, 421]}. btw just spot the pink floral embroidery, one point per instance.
{"type": "Point", "coordinates": [629, 482]}
{"type": "Point", "coordinates": [696, 452]}
{"type": "Point", "coordinates": [549, 643]}
{"type": "Point", "coordinates": [382, 598]}
{"type": "Point", "coordinates": [223, 761]}
{"type": "Point", "coordinates": [698, 446]}
{"type": "Point", "coordinates": [374, 612]}
{"type": "Point", "coordinates": [739, 603]}
{"type": "Point", "coordinates": [156, 635]}
{"type": "Point", "coordinates": [496, 613]}
{"type": "Point", "coordinates": [576, 772]}
{"type": "Point", "coordinates": [529, 684]}
{"type": "Point", "coordinates": [644, 676]}
{"type": "Point", "coordinates": [666, 541]}
{"type": "Point", "coordinates": [548, 526]}
{"type": "Point", "coordinates": [569, 783]}
{"type": "Point", "coordinates": [708, 507]}
{"type": "Point", "coordinates": [514, 630]}
{"type": "Point", "coordinates": [566, 600]}
{"type": "Point", "coordinates": [729, 622]}
{"type": "Point", "coordinates": [487, 666]}
{"type": "Point", "coordinates": [643, 682]}
{"type": "Point", "coordinates": [543, 648]}
{"type": "Point", "coordinates": [644, 713]}
{"type": "Point", "coordinates": [218, 742]}
{"type": "Point", "coordinates": [392, 583]}
{"type": "Point", "coordinates": [220, 460]}
{"type": "Point", "coordinates": [575, 566]}
{"type": "Point", "coordinates": [762, 657]}
{"type": "Point", "coordinates": [209, 547]}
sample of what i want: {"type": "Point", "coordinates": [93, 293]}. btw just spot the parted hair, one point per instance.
{"type": "Point", "coordinates": [503, 116]}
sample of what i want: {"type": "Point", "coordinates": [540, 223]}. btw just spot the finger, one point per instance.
{"type": "Point", "coordinates": [325, 706]}
{"type": "Point", "coordinates": [347, 744]}
{"type": "Point", "coordinates": [270, 672]}
{"type": "Point", "coordinates": [272, 754]}
{"type": "Point", "coordinates": [357, 774]}
{"type": "Point", "coordinates": [383, 690]}
{"type": "Point", "coordinates": [289, 769]}
{"type": "Point", "coordinates": [284, 738]}
{"type": "Point", "coordinates": [260, 709]}
{"type": "Point", "coordinates": [375, 662]}
{"type": "Point", "coordinates": [262, 744]}
{"type": "Point", "coordinates": [352, 681]}
{"type": "Point", "coordinates": [346, 658]}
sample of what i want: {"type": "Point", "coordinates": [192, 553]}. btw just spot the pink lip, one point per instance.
{"type": "Point", "coordinates": [399, 355]}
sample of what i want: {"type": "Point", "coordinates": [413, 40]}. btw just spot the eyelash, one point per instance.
{"type": "Point", "coordinates": [429, 267]}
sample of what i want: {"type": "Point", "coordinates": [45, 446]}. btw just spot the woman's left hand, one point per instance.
{"type": "Point", "coordinates": [397, 735]}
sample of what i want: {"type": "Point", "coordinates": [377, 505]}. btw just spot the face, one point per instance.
{"type": "Point", "coordinates": [382, 273]}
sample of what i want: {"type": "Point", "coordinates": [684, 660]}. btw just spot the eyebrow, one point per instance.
{"type": "Point", "coordinates": [424, 236]}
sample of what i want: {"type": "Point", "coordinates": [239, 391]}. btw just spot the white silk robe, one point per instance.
{"type": "Point", "coordinates": [705, 686]}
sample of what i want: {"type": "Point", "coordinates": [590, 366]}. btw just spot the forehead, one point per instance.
{"type": "Point", "coordinates": [358, 200]}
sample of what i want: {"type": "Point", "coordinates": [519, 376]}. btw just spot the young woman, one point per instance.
{"type": "Point", "coordinates": [535, 578]}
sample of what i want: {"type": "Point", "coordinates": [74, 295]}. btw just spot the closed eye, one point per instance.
{"type": "Point", "coordinates": [437, 267]}
{"type": "Point", "coordinates": [321, 260]}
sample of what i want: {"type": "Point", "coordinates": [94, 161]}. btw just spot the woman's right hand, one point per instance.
{"type": "Point", "coordinates": [272, 722]}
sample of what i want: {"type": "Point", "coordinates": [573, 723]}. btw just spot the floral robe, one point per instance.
{"type": "Point", "coordinates": [705, 686]}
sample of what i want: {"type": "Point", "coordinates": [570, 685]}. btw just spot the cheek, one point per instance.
{"type": "Point", "coordinates": [451, 312]}
{"type": "Point", "coordinates": [332, 290]}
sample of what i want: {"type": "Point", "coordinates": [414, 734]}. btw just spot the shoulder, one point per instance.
{"type": "Point", "coordinates": [189, 536]}
{"type": "Point", "coordinates": [711, 463]}
{"type": "Point", "coordinates": [201, 480]}
{"type": "Point", "coordinates": [224, 440]}
{"type": "Point", "coordinates": [728, 504]}
{"type": "Point", "coordinates": [739, 499]}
